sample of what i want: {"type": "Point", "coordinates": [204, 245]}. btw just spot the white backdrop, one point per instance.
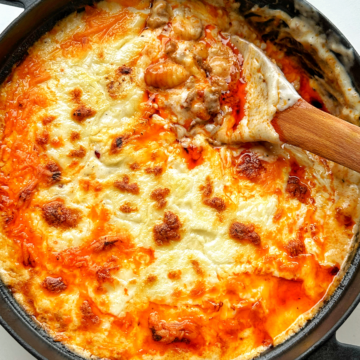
{"type": "Point", "coordinates": [345, 15]}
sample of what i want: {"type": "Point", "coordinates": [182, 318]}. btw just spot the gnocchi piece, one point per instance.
{"type": "Point", "coordinates": [190, 28]}
{"type": "Point", "coordinates": [166, 75]}
{"type": "Point", "coordinates": [220, 61]}
{"type": "Point", "coordinates": [159, 15]}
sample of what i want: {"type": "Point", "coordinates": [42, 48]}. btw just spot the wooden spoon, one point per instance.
{"type": "Point", "coordinates": [311, 129]}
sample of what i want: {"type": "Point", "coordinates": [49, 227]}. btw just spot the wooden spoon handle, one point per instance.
{"type": "Point", "coordinates": [320, 133]}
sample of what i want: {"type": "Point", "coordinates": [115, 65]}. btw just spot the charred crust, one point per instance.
{"type": "Point", "coordinates": [169, 230]}
{"type": "Point", "coordinates": [295, 247]}
{"type": "Point", "coordinates": [159, 196]}
{"type": "Point", "coordinates": [242, 232]}
{"type": "Point", "coordinates": [82, 112]}
{"type": "Point", "coordinates": [125, 186]}
{"type": "Point", "coordinates": [56, 214]}
{"type": "Point", "coordinates": [54, 285]}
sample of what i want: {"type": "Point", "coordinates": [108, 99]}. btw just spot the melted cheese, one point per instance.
{"type": "Point", "coordinates": [130, 229]}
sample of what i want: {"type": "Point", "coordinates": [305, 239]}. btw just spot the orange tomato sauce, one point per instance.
{"type": "Point", "coordinates": [24, 164]}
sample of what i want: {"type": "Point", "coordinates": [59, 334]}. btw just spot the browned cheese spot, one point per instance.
{"type": "Point", "coordinates": [296, 189]}
{"type": "Point", "coordinates": [48, 120]}
{"type": "Point", "coordinates": [120, 81]}
{"type": "Point", "coordinates": [127, 208]}
{"type": "Point", "coordinates": [134, 166]}
{"type": "Point", "coordinates": [169, 230]}
{"type": "Point", "coordinates": [250, 166]}
{"type": "Point", "coordinates": [208, 188]}
{"type": "Point", "coordinates": [216, 203]}
{"type": "Point", "coordinates": [118, 143]}
{"type": "Point", "coordinates": [88, 316]}
{"type": "Point", "coordinates": [174, 275]}
{"type": "Point", "coordinates": [76, 95]}
{"type": "Point", "coordinates": [159, 196]}
{"type": "Point", "coordinates": [197, 268]}
{"type": "Point", "coordinates": [82, 112]}
{"type": "Point", "coordinates": [43, 138]}
{"type": "Point", "coordinates": [87, 185]}
{"type": "Point", "coordinates": [79, 153]}
{"type": "Point", "coordinates": [242, 232]}
{"type": "Point", "coordinates": [124, 70]}
{"type": "Point", "coordinates": [125, 186]}
{"type": "Point", "coordinates": [151, 279]}
{"type": "Point", "coordinates": [295, 247]}
{"type": "Point", "coordinates": [74, 136]}
{"type": "Point", "coordinates": [56, 214]}
{"type": "Point", "coordinates": [157, 170]}
{"type": "Point", "coordinates": [55, 285]}
{"type": "Point", "coordinates": [52, 172]}
{"type": "Point", "coordinates": [169, 332]}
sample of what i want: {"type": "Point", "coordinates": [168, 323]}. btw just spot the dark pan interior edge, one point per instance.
{"type": "Point", "coordinates": [40, 18]}
{"type": "Point", "coordinates": [27, 333]}
{"type": "Point", "coordinates": [349, 286]}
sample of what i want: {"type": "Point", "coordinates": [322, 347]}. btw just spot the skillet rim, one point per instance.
{"type": "Point", "coordinates": [312, 336]}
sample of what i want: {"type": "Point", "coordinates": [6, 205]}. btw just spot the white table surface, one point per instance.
{"type": "Point", "coordinates": [345, 15]}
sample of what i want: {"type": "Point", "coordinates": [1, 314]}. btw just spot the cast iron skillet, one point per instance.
{"type": "Point", "coordinates": [316, 341]}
